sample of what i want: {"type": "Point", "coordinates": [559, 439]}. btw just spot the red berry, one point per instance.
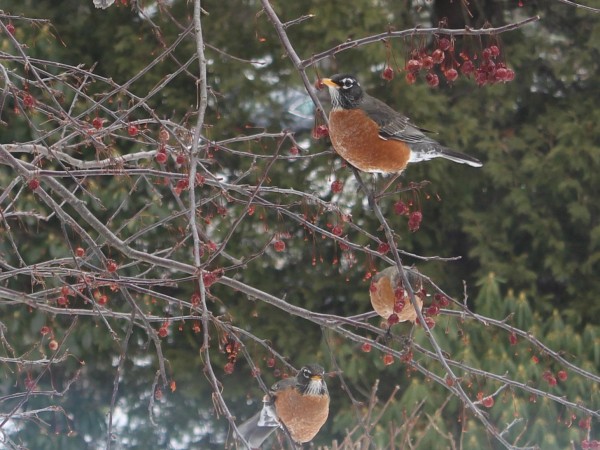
{"type": "Point", "coordinates": [430, 323]}
{"type": "Point", "coordinates": [467, 67]}
{"type": "Point", "coordinates": [62, 301]}
{"type": "Point", "coordinates": [413, 65]}
{"type": "Point", "coordinates": [319, 84]}
{"type": "Point", "coordinates": [383, 248]}
{"type": "Point", "coordinates": [388, 74]}
{"type": "Point", "coordinates": [442, 300]}
{"type": "Point", "coordinates": [294, 150]}
{"type": "Point", "coordinates": [180, 159]}
{"type": "Point", "coordinates": [399, 293]}
{"type": "Point", "coordinates": [80, 252]}
{"type": "Point", "coordinates": [337, 186]}
{"type": "Point", "coordinates": [501, 74]}
{"type": "Point", "coordinates": [427, 62]}
{"type": "Point", "coordinates": [10, 28]}
{"type": "Point", "coordinates": [414, 220]}
{"type": "Point", "coordinates": [433, 310]}
{"type": "Point", "coordinates": [279, 246]}
{"type": "Point", "coordinates": [228, 368]}
{"type": "Point", "coordinates": [210, 278]}
{"type": "Point", "coordinates": [182, 185]}
{"type": "Point", "coordinates": [111, 266]}
{"type": "Point", "coordinates": [393, 319]}
{"type": "Point", "coordinates": [407, 356]}
{"type": "Point", "coordinates": [271, 362]}
{"type": "Point", "coordinates": [449, 381]}
{"type": "Point", "coordinates": [401, 208]}
{"type": "Point", "coordinates": [488, 402]}
{"type": "Point", "coordinates": [320, 131]}
{"type": "Point", "coordinates": [437, 56]}
{"type": "Point", "coordinates": [551, 380]}
{"type": "Point", "coordinates": [444, 44]}
{"type": "Point", "coordinates": [161, 157]}
{"type": "Point", "coordinates": [586, 445]}
{"type": "Point", "coordinates": [200, 179]}
{"type": "Point", "coordinates": [399, 305]}
{"type": "Point", "coordinates": [366, 347]}
{"type": "Point", "coordinates": [510, 75]}
{"type": "Point", "coordinates": [410, 78]}
{"type": "Point", "coordinates": [28, 101]}
{"type": "Point", "coordinates": [486, 54]}
{"type": "Point", "coordinates": [432, 79]}
{"type": "Point", "coordinates": [97, 123]}
{"type": "Point", "coordinates": [451, 74]}
{"type": "Point", "coordinates": [53, 345]}
{"type": "Point", "coordinates": [163, 331]}
{"type": "Point", "coordinates": [33, 184]}
{"type": "Point", "coordinates": [103, 300]}
{"type": "Point", "coordinates": [45, 330]}
{"type": "Point", "coordinates": [337, 230]}
{"type": "Point", "coordinates": [585, 424]}
{"type": "Point", "coordinates": [512, 338]}
{"type": "Point", "coordinates": [480, 77]}
{"type": "Point", "coordinates": [388, 359]}
{"type": "Point", "coordinates": [535, 359]}
{"type": "Point", "coordinates": [489, 67]}
{"type": "Point", "coordinates": [494, 50]}
{"type": "Point", "coordinates": [562, 375]}
{"type": "Point", "coordinates": [132, 130]}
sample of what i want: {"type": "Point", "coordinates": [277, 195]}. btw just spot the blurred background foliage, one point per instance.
{"type": "Point", "coordinates": [526, 225]}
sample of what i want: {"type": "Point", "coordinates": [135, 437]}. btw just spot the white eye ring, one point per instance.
{"type": "Point", "coordinates": [347, 83]}
{"type": "Point", "coordinates": [306, 373]}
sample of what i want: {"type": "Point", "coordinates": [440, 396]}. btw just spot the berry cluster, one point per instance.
{"type": "Point", "coordinates": [414, 217]}
{"type": "Point", "coordinates": [490, 70]}
{"type": "Point", "coordinates": [485, 67]}
{"type": "Point", "coordinates": [231, 348]}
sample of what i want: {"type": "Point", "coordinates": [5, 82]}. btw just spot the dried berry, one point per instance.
{"type": "Point", "coordinates": [432, 79]}
{"type": "Point", "coordinates": [437, 56]}
{"type": "Point", "coordinates": [337, 186]}
{"type": "Point", "coordinates": [320, 131]}
{"type": "Point", "coordinates": [388, 74]}
{"type": "Point", "coordinates": [451, 74]}
{"type": "Point", "coordinates": [444, 44]}
{"type": "Point", "coordinates": [413, 65]}
{"type": "Point", "coordinates": [161, 157]}
{"type": "Point", "coordinates": [414, 220]}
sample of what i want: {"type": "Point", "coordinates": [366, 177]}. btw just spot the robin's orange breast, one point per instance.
{"type": "Point", "coordinates": [355, 137]}
{"type": "Point", "coordinates": [302, 415]}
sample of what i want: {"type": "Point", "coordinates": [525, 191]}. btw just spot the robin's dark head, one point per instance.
{"type": "Point", "coordinates": [345, 91]}
{"type": "Point", "coordinates": [310, 380]}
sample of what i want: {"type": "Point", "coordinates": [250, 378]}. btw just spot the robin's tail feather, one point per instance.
{"type": "Point", "coordinates": [259, 427]}
{"type": "Point", "coordinates": [429, 150]}
{"type": "Point", "coordinates": [459, 157]}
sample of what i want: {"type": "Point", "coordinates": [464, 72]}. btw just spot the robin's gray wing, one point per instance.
{"type": "Point", "coordinates": [392, 124]}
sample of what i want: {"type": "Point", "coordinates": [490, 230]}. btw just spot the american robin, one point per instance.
{"type": "Point", "coordinates": [299, 403]}
{"type": "Point", "coordinates": [373, 137]}
{"type": "Point", "coordinates": [388, 295]}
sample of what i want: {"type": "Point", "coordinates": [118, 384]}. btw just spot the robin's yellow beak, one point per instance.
{"type": "Point", "coordinates": [329, 82]}
{"type": "Point", "coordinates": [316, 377]}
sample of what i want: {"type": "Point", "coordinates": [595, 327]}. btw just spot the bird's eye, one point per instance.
{"type": "Point", "coordinates": [306, 373]}
{"type": "Point", "coordinates": [347, 83]}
